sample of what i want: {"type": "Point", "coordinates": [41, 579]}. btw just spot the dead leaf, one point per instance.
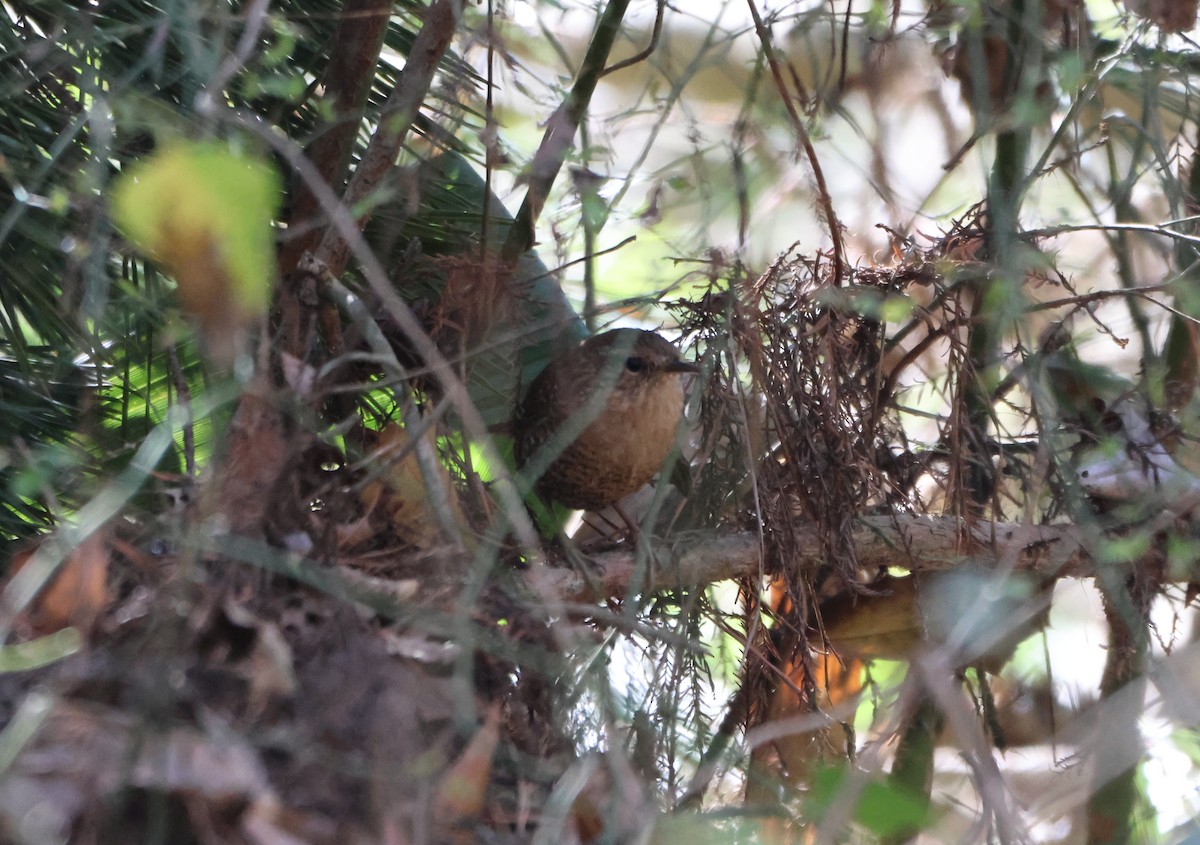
{"type": "Point", "coordinates": [77, 593]}
{"type": "Point", "coordinates": [352, 534]}
{"type": "Point", "coordinates": [84, 755]}
{"type": "Point", "coordinates": [611, 804]}
{"type": "Point", "coordinates": [266, 666]}
{"type": "Point", "coordinates": [461, 794]}
{"type": "Point", "coordinates": [401, 491]}
{"type": "Point", "coordinates": [204, 211]}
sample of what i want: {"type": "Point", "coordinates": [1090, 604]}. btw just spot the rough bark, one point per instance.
{"type": "Point", "coordinates": [917, 543]}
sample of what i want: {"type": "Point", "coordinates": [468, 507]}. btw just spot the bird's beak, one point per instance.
{"type": "Point", "coordinates": [682, 367]}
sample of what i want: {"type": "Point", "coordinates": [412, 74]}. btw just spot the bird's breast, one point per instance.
{"type": "Point", "coordinates": [620, 450]}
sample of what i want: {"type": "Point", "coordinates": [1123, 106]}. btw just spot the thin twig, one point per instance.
{"type": "Point", "coordinates": [650, 48]}
{"type": "Point", "coordinates": [1084, 299]}
{"type": "Point", "coordinates": [560, 133]}
{"type": "Point", "coordinates": [354, 54]}
{"type": "Point", "coordinates": [1145, 228]}
{"type": "Point", "coordinates": [936, 671]}
{"type": "Point", "coordinates": [256, 16]}
{"type": "Point", "coordinates": [490, 139]}
{"type": "Point", "coordinates": [588, 194]}
{"type": "Point", "coordinates": [917, 543]}
{"type": "Point", "coordinates": [436, 485]}
{"type": "Point", "coordinates": [835, 228]}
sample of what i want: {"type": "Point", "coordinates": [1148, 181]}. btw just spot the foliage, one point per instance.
{"type": "Point", "coordinates": [262, 288]}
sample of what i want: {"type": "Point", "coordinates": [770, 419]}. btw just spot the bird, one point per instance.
{"type": "Point", "coordinates": [608, 410]}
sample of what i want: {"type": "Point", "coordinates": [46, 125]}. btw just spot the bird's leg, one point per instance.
{"type": "Point", "coordinates": [608, 527]}
{"type": "Point", "coordinates": [634, 533]}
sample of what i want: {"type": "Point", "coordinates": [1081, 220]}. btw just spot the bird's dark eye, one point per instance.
{"type": "Point", "coordinates": [635, 364]}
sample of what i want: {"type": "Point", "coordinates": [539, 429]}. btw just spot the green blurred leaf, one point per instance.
{"type": "Point", "coordinates": [40, 652]}
{"type": "Point", "coordinates": [881, 808]}
{"type": "Point", "coordinates": [199, 208]}
{"type": "Point", "coordinates": [870, 302]}
{"type": "Point", "coordinates": [1118, 549]}
{"type": "Point", "coordinates": [595, 210]}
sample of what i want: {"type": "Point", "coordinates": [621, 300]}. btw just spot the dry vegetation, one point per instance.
{"type": "Point", "coordinates": [275, 579]}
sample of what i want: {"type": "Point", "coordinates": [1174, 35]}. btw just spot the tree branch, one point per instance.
{"type": "Point", "coordinates": [353, 55]}
{"type": "Point", "coordinates": [560, 132]}
{"type": "Point", "coordinates": [412, 85]}
{"type": "Point", "coordinates": [919, 544]}
{"type": "Point", "coordinates": [650, 48]}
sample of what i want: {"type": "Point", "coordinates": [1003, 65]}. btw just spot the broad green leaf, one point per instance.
{"type": "Point", "coordinates": [881, 808]}
{"type": "Point", "coordinates": [204, 212]}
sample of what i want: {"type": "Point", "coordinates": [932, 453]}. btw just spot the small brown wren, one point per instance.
{"type": "Point", "coordinates": [620, 391]}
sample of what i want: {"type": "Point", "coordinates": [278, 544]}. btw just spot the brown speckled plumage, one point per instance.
{"type": "Point", "coordinates": [622, 387]}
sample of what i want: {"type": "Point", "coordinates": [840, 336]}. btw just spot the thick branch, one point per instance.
{"type": "Point", "coordinates": [353, 55]}
{"type": "Point", "coordinates": [412, 85]}
{"type": "Point", "coordinates": [919, 544]}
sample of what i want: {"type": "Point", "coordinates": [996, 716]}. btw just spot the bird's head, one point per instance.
{"type": "Point", "coordinates": [632, 360]}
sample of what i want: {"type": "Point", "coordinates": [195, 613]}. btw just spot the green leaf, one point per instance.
{"type": "Point", "coordinates": [868, 301]}
{"type": "Point", "coordinates": [205, 212]}
{"type": "Point", "coordinates": [883, 809]}
{"type": "Point", "coordinates": [595, 210]}
{"type": "Point", "coordinates": [1124, 549]}
{"type": "Point", "coordinates": [43, 651]}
